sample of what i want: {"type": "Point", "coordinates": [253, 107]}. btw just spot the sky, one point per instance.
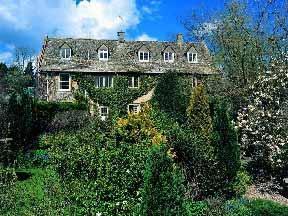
{"type": "Point", "coordinates": [25, 23]}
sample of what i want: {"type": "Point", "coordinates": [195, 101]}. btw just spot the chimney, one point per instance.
{"type": "Point", "coordinates": [179, 39]}
{"type": "Point", "coordinates": [121, 36]}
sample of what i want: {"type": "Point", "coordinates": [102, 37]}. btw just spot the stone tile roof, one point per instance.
{"type": "Point", "coordinates": [123, 56]}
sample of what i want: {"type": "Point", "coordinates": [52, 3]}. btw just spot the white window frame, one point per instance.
{"type": "Point", "coordinates": [105, 52]}
{"type": "Point", "coordinates": [104, 81]}
{"type": "Point", "coordinates": [168, 60]}
{"type": "Point", "coordinates": [59, 82]}
{"type": "Point", "coordinates": [193, 60]}
{"type": "Point", "coordinates": [134, 80]}
{"type": "Point", "coordinates": [66, 56]}
{"type": "Point", "coordinates": [143, 55]}
{"type": "Point", "coordinates": [103, 116]}
{"type": "Point", "coordinates": [137, 110]}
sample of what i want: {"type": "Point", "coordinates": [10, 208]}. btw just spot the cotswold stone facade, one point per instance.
{"type": "Point", "coordinates": [61, 60]}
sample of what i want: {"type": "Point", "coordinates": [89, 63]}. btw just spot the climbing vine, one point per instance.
{"type": "Point", "coordinates": [117, 97]}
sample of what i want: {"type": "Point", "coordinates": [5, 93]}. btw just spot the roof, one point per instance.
{"type": "Point", "coordinates": [123, 56]}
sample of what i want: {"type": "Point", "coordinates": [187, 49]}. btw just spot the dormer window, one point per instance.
{"type": "Point", "coordinates": [103, 53]}
{"type": "Point", "coordinates": [168, 57]}
{"type": "Point", "coordinates": [168, 54]}
{"type": "Point", "coordinates": [192, 57]}
{"type": "Point", "coordinates": [143, 56]}
{"type": "Point", "coordinates": [65, 53]}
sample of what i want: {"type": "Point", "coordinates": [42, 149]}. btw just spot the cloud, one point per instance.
{"type": "Point", "coordinates": [24, 23]}
{"type": "Point", "coordinates": [145, 37]}
{"type": "Point", "coordinates": [94, 18]}
{"type": "Point", "coordinates": [150, 9]}
{"type": "Point", "coordinates": [6, 57]}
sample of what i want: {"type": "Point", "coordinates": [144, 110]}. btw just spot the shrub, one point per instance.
{"type": "Point", "coordinates": [240, 183]}
{"type": "Point", "coordinates": [268, 208]}
{"type": "Point", "coordinates": [238, 207]}
{"type": "Point", "coordinates": [193, 208]}
{"type": "Point", "coordinates": [69, 121]}
{"type": "Point", "coordinates": [198, 112]}
{"type": "Point", "coordinates": [172, 94]}
{"type": "Point", "coordinates": [197, 156]}
{"type": "Point", "coordinates": [163, 192]}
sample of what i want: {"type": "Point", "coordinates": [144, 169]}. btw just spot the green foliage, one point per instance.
{"type": "Point", "coordinates": [103, 172]}
{"type": "Point", "coordinates": [240, 183]}
{"type": "Point", "coordinates": [138, 127]}
{"type": "Point", "coordinates": [198, 112]}
{"type": "Point", "coordinates": [268, 208]}
{"type": "Point", "coordinates": [199, 208]}
{"type": "Point", "coordinates": [44, 113]}
{"type": "Point", "coordinates": [163, 192]}
{"type": "Point", "coordinates": [118, 97]}
{"type": "Point", "coordinates": [198, 158]}
{"type": "Point", "coordinates": [172, 94]}
{"type": "Point", "coordinates": [238, 207]}
{"type": "Point", "coordinates": [224, 140]}
{"type": "Point", "coordinates": [3, 69]}
{"type": "Point", "coordinates": [40, 194]}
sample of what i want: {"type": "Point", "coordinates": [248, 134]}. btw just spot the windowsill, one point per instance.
{"type": "Point", "coordinates": [144, 61]}
{"type": "Point", "coordinates": [133, 87]}
{"type": "Point", "coordinates": [64, 90]}
{"type": "Point", "coordinates": [103, 60]}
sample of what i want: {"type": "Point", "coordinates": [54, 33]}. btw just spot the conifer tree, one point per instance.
{"type": "Point", "coordinates": [163, 192]}
{"type": "Point", "coordinates": [198, 112]}
{"type": "Point", "coordinates": [225, 142]}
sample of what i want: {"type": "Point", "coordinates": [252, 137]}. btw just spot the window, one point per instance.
{"type": "Point", "coordinates": [65, 53]}
{"type": "Point", "coordinates": [134, 108]}
{"type": "Point", "coordinates": [192, 57]}
{"type": "Point", "coordinates": [103, 112]}
{"type": "Point", "coordinates": [104, 81]}
{"type": "Point", "coordinates": [169, 57]}
{"type": "Point", "coordinates": [143, 56]}
{"type": "Point", "coordinates": [64, 82]}
{"type": "Point", "coordinates": [103, 54]}
{"type": "Point", "coordinates": [133, 82]}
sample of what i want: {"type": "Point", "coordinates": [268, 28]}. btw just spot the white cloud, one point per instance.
{"type": "Point", "coordinates": [145, 37]}
{"type": "Point", "coordinates": [5, 57]}
{"type": "Point", "coordinates": [97, 18]}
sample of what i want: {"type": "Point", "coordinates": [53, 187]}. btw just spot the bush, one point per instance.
{"type": "Point", "coordinates": [238, 207]}
{"type": "Point", "coordinates": [172, 94]}
{"type": "Point", "coordinates": [268, 208]}
{"type": "Point", "coordinates": [106, 167]}
{"type": "Point", "coordinates": [69, 121]}
{"type": "Point", "coordinates": [199, 208]}
{"type": "Point", "coordinates": [240, 184]}
{"type": "Point", "coordinates": [39, 194]}
{"type": "Point", "coordinates": [163, 192]}
{"type": "Point", "coordinates": [198, 112]}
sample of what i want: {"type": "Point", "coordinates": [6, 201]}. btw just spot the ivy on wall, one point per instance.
{"type": "Point", "coordinates": [117, 97]}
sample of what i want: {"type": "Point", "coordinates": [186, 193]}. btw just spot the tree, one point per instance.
{"type": "Point", "coordinates": [225, 143]}
{"type": "Point", "coordinates": [198, 112]}
{"type": "Point", "coordinates": [163, 191]}
{"type": "Point", "coordinates": [172, 94]}
{"type": "Point", "coordinates": [29, 71]}
{"type": "Point", "coordinates": [3, 70]}
{"type": "Point", "coordinates": [23, 55]}
{"type": "Point", "coordinates": [263, 123]}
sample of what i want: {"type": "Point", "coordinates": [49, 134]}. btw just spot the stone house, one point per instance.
{"type": "Point", "coordinates": [60, 59]}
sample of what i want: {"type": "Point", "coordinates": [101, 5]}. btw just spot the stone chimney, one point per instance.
{"type": "Point", "coordinates": [121, 36]}
{"type": "Point", "coordinates": [179, 39]}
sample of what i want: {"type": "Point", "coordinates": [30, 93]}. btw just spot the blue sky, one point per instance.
{"type": "Point", "coordinates": [24, 23]}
